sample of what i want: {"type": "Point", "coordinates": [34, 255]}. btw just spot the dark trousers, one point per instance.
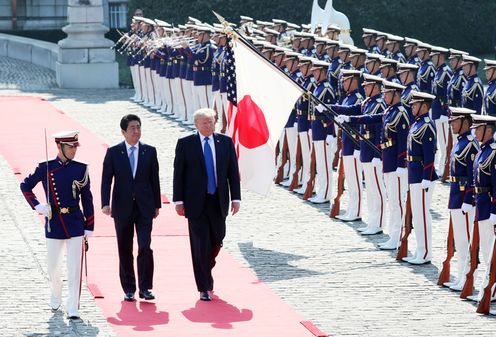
{"type": "Point", "coordinates": [124, 229]}
{"type": "Point", "coordinates": [206, 233]}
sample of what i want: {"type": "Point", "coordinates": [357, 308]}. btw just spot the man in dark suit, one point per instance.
{"type": "Point", "coordinates": [135, 203]}
{"type": "Point", "coordinates": [206, 175]}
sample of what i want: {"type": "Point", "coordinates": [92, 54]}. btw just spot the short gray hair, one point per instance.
{"type": "Point", "coordinates": [203, 113]}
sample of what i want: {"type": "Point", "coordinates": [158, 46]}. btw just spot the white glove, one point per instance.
{"type": "Point", "coordinates": [88, 233]}
{"type": "Point", "coordinates": [443, 118]}
{"type": "Point", "coordinates": [320, 108]}
{"type": "Point", "coordinates": [466, 208]}
{"type": "Point", "coordinates": [342, 118]}
{"type": "Point", "coordinates": [492, 218]}
{"type": "Point", "coordinates": [401, 171]}
{"type": "Point", "coordinates": [330, 139]}
{"type": "Point", "coordinates": [356, 154]}
{"type": "Point", "coordinates": [295, 125]}
{"type": "Point", "coordinates": [376, 161]}
{"type": "Point", "coordinates": [426, 184]}
{"type": "Point", "coordinates": [43, 209]}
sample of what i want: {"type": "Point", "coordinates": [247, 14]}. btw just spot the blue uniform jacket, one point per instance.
{"type": "Point", "coordinates": [395, 123]}
{"type": "Point", "coordinates": [425, 76]}
{"type": "Point", "coordinates": [398, 56]}
{"type": "Point", "coordinates": [462, 171]}
{"type": "Point", "coordinates": [490, 99]}
{"type": "Point", "coordinates": [203, 57]}
{"type": "Point", "coordinates": [440, 90]}
{"type": "Point", "coordinates": [455, 87]}
{"type": "Point", "coordinates": [304, 105]}
{"type": "Point", "coordinates": [406, 94]}
{"type": "Point", "coordinates": [421, 150]}
{"type": "Point", "coordinates": [333, 74]}
{"type": "Point", "coordinates": [292, 119]}
{"type": "Point", "coordinates": [68, 185]}
{"type": "Point", "coordinates": [173, 54]}
{"type": "Point", "coordinates": [218, 55]}
{"type": "Point", "coordinates": [485, 179]}
{"type": "Point", "coordinates": [414, 60]}
{"type": "Point", "coordinates": [320, 123]}
{"type": "Point", "coordinates": [473, 94]}
{"type": "Point", "coordinates": [351, 105]}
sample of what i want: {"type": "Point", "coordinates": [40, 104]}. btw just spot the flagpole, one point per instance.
{"type": "Point", "coordinates": [330, 113]}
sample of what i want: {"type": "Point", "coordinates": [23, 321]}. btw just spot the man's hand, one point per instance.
{"type": "Point", "coordinates": [235, 207]}
{"type": "Point", "coordinates": [88, 233]}
{"type": "Point", "coordinates": [426, 184]}
{"type": "Point", "coordinates": [157, 211]}
{"type": "Point", "coordinates": [180, 209]}
{"type": "Point", "coordinates": [106, 210]}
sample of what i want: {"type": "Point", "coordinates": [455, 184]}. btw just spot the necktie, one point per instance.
{"type": "Point", "coordinates": [131, 158]}
{"type": "Point", "coordinates": [209, 164]}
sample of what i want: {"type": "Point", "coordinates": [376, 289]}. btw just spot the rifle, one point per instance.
{"type": "Point", "coordinates": [295, 178]}
{"type": "Point", "coordinates": [311, 182]}
{"type": "Point", "coordinates": [403, 249]}
{"type": "Point", "coordinates": [284, 159]}
{"type": "Point", "coordinates": [448, 158]}
{"type": "Point", "coordinates": [336, 203]}
{"type": "Point", "coordinates": [485, 303]}
{"type": "Point", "coordinates": [445, 272]}
{"type": "Point", "coordinates": [468, 288]}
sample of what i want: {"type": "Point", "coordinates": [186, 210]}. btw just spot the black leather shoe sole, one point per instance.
{"type": "Point", "coordinates": [147, 296]}
{"type": "Point", "coordinates": [204, 296]}
{"type": "Point", "coordinates": [129, 297]}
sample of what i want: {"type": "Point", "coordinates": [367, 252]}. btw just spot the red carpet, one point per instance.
{"type": "Point", "coordinates": [242, 305]}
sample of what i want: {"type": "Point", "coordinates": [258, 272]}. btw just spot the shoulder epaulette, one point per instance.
{"type": "Point", "coordinates": [427, 119]}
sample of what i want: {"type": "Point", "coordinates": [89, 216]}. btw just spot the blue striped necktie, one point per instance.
{"type": "Point", "coordinates": [209, 164]}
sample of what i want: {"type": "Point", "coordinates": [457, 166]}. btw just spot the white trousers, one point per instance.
{"type": "Point", "coordinates": [422, 220]}
{"type": "Point", "coordinates": [204, 96]}
{"type": "Point", "coordinates": [376, 195]}
{"type": "Point", "coordinates": [280, 146]}
{"type": "Point", "coordinates": [306, 158]}
{"type": "Point", "coordinates": [463, 227]}
{"type": "Point", "coordinates": [74, 264]}
{"type": "Point", "coordinates": [157, 99]}
{"type": "Point", "coordinates": [178, 99]}
{"type": "Point", "coordinates": [142, 76]}
{"type": "Point", "coordinates": [486, 244]}
{"type": "Point", "coordinates": [164, 87]}
{"type": "Point", "coordinates": [292, 136]}
{"type": "Point", "coordinates": [149, 88]}
{"type": "Point", "coordinates": [396, 191]}
{"type": "Point", "coordinates": [136, 82]}
{"type": "Point", "coordinates": [353, 179]}
{"type": "Point", "coordinates": [218, 106]}
{"type": "Point", "coordinates": [324, 155]}
{"type": "Point", "coordinates": [442, 130]}
{"type": "Point", "coordinates": [184, 98]}
{"type": "Point", "coordinates": [192, 101]}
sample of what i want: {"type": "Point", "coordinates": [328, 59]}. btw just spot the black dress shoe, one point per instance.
{"type": "Point", "coordinates": [129, 297]}
{"type": "Point", "coordinates": [147, 295]}
{"type": "Point", "coordinates": [204, 296]}
{"type": "Point", "coordinates": [72, 318]}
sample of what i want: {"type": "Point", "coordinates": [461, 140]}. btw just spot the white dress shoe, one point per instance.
{"type": "Point", "coordinates": [372, 231]}
{"type": "Point", "coordinates": [300, 190]}
{"type": "Point", "coordinates": [450, 284]}
{"type": "Point", "coordinates": [318, 200]}
{"type": "Point", "coordinates": [286, 183]}
{"type": "Point", "coordinates": [419, 261]}
{"type": "Point", "coordinates": [363, 229]}
{"type": "Point", "coordinates": [474, 297]}
{"type": "Point", "coordinates": [349, 218]}
{"type": "Point", "coordinates": [458, 287]}
{"type": "Point", "coordinates": [409, 258]}
{"type": "Point", "coordinates": [388, 246]}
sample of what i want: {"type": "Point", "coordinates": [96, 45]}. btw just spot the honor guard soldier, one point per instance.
{"type": "Point", "coordinates": [350, 153]}
{"type": "Point", "coordinates": [370, 160]}
{"type": "Point", "coordinates": [333, 32]}
{"type": "Point", "coordinates": [393, 46]}
{"type": "Point", "coordinates": [380, 41]}
{"type": "Point", "coordinates": [473, 92]}
{"type": "Point", "coordinates": [373, 64]}
{"type": "Point", "coordinates": [310, 84]}
{"type": "Point", "coordinates": [407, 73]}
{"type": "Point", "coordinates": [344, 52]}
{"type": "Point", "coordinates": [202, 66]}
{"type": "Point", "coordinates": [490, 95]}
{"type": "Point", "coordinates": [67, 186]}
{"type": "Point", "coordinates": [291, 127]}
{"type": "Point", "coordinates": [388, 69]}
{"type": "Point", "coordinates": [323, 135]}
{"type": "Point", "coordinates": [333, 72]}
{"type": "Point", "coordinates": [439, 108]}
{"type": "Point", "coordinates": [461, 199]}
{"type": "Point", "coordinates": [485, 190]}
{"type": "Point", "coordinates": [455, 86]}
{"type": "Point", "coordinates": [421, 151]}
{"type": "Point", "coordinates": [307, 43]}
{"type": "Point", "coordinates": [369, 37]}
{"type": "Point", "coordinates": [357, 59]}
{"type": "Point", "coordinates": [220, 40]}
{"type": "Point", "coordinates": [426, 72]}
{"type": "Point", "coordinates": [320, 44]}
{"type": "Point", "coordinates": [410, 47]}
{"type": "Point", "coordinates": [271, 35]}
{"type": "Point", "coordinates": [395, 123]}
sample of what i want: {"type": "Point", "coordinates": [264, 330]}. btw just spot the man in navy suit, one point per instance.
{"type": "Point", "coordinates": [133, 166]}
{"type": "Point", "coordinates": [206, 175]}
